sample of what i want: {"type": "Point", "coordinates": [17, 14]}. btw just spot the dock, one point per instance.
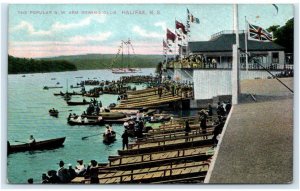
{"type": "Point", "coordinates": [150, 98]}
{"type": "Point", "coordinates": [259, 137]}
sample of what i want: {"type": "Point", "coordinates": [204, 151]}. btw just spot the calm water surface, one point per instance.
{"type": "Point", "coordinates": [28, 106]}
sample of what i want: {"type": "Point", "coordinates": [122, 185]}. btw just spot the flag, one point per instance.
{"type": "Point", "coordinates": [192, 19]}
{"type": "Point", "coordinates": [258, 34]}
{"type": "Point", "coordinates": [180, 36]}
{"type": "Point", "coordinates": [276, 7]}
{"type": "Point", "coordinates": [165, 45]}
{"type": "Point", "coordinates": [181, 26]}
{"type": "Point", "coordinates": [170, 35]}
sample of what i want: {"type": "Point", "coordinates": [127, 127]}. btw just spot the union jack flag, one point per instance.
{"type": "Point", "coordinates": [258, 34]}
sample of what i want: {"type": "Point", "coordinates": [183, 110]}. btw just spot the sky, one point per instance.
{"type": "Point", "coordinates": [71, 29]}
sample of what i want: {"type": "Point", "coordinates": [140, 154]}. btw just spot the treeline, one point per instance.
{"type": "Point", "coordinates": [104, 61]}
{"type": "Point", "coordinates": [284, 35]}
{"type": "Point", "coordinates": [25, 65]}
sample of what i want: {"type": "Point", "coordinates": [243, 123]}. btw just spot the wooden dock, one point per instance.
{"type": "Point", "coordinates": [188, 141]}
{"type": "Point", "coordinates": [148, 98]}
{"type": "Point", "coordinates": [160, 157]}
{"type": "Point", "coordinates": [154, 174]}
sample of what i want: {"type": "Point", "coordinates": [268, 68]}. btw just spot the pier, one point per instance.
{"type": "Point", "coordinates": [259, 137]}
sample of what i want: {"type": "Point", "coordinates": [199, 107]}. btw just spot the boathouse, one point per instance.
{"type": "Point", "coordinates": [207, 64]}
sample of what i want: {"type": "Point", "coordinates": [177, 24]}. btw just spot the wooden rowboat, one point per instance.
{"type": "Point", "coordinates": [53, 113]}
{"type": "Point", "coordinates": [51, 87]}
{"type": "Point", "coordinates": [77, 103]}
{"type": "Point", "coordinates": [96, 122]}
{"type": "Point", "coordinates": [106, 115]}
{"type": "Point", "coordinates": [40, 145]}
{"type": "Point", "coordinates": [109, 138]}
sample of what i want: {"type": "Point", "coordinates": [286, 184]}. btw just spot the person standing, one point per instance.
{"type": "Point", "coordinates": [210, 111]}
{"type": "Point", "coordinates": [203, 124]}
{"type": "Point", "coordinates": [187, 129]}
{"type": "Point", "coordinates": [228, 107]}
{"type": "Point", "coordinates": [125, 139]}
{"type": "Point", "coordinates": [173, 89]}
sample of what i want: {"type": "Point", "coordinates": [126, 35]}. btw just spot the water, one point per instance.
{"type": "Point", "coordinates": [28, 106]}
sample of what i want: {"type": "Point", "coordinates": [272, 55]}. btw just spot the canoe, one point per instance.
{"type": "Point", "coordinates": [63, 94]}
{"type": "Point", "coordinates": [109, 138]}
{"type": "Point", "coordinates": [40, 145]}
{"type": "Point", "coordinates": [106, 115]}
{"type": "Point", "coordinates": [77, 103]}
{"type": "Point", "coordinates": [51, 87]}
{"type": "Point", "coordinates": [70, 122]}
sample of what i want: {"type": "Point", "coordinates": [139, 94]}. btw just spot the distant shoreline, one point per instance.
{"type": "Point", "coordinates": [79, 62]}
{"type": "Point", "coordinates": [73, 71]}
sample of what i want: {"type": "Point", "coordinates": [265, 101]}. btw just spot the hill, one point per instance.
{"type": "Point", "coordinates": [25, 65]}
{"type": "Point", "coordinates": [102, 61]}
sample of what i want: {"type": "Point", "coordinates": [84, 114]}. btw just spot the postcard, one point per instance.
{"type": "Point", "coordinates": [150, 94]}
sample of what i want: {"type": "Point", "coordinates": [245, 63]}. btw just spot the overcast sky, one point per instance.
{"type": "Point", "coordinates": [33, 33]}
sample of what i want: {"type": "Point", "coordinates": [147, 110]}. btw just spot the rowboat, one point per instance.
{"type": "Point", "coordinates": [40, 145]}
{"type": "Point", "coordinates": [75, 86]}
{"type": "Point", "coordinates": [51, 87]}
{"type": "Point", "coordinates": [89, 122]}
{"type": "Point", "coordinates": [63, 94]}
{"type": "Point", "coordinates": [160, 119]}
{"type": "Point", "coordinates": [106, 115]}
{"type": "Point", "coordinates": [91, 95]}
{"type": "Point", "coordinates": [109, 138]}
{"type": "Point", "coordinates": [77, 103]}
{"type": "Point", "coordinates": [53, 113]}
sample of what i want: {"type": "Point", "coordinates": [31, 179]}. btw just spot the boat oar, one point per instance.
{"type": "Point", "coordinates": [90, 136]}
{"type": "Point", "coordinates": [21, 142]}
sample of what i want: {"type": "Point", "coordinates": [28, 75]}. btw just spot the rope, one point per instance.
{"type": "Point", "coordinates": [252, 58]}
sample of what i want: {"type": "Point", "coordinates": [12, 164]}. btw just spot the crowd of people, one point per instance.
{"type": "Point", "coordinates": [139, 79]}
{"type": "Point", "coordinates": [176, 88]}
{"type": "Point", "coordinates": [65, 175]}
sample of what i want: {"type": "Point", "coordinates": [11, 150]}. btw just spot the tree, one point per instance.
{"type": "Point", "coordinates": [284, 35]}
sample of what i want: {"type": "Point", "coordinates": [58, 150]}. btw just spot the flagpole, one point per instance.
{"type": "Point", "coordinates": [246, 43]}
{"type": "Point", "coordinates": [167, 49]}
{"type": "Point", "coordinates": [188, 31]}
{"type": "Point", "coordinates": [235, 58]}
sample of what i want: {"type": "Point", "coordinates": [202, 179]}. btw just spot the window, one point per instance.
{"type": "Point", "coordinates": [275, 57]}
